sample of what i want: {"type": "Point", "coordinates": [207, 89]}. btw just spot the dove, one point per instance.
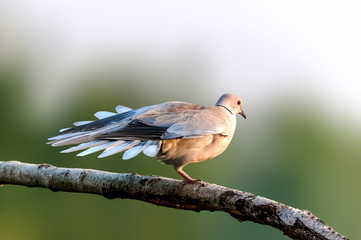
{"type": "Point", "coordinates": [176, 133]}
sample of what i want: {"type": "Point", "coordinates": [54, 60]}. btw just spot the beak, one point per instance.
{"type": "Point", "coordinates": [243, 114]}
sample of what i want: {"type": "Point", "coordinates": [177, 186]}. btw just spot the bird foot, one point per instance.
{"type": "Point", "coordinates": [186, 178]}
{"type": "Point", "coordinates": [190, 181]}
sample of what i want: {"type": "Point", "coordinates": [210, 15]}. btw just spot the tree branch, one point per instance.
{"type": "Point", "coordinates": [295, 223]}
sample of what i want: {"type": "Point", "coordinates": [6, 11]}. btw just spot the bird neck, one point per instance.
{"type": "Point", "coordinates": [225, 108]}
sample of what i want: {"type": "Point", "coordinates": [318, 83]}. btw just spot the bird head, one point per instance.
{"type": "Point", "coordinates": [232, 103]}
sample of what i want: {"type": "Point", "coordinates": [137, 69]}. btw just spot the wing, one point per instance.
{"type": "Point", "coordinates": [153, 123]}
{"type": "Point", "coordinates": [186, 120]}
{"type": "Point", "coordinates": [198, 124]}
{"type": "Point", "coordinates": [172, 120]}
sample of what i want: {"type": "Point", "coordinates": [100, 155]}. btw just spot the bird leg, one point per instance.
{"type": "Point", "coordinates": [186, 177]}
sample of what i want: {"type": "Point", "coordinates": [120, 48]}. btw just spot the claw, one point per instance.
{"type": "Point", "coordinates": [186, 178]}
{"type": "Point", "coordinates": [190, 181]}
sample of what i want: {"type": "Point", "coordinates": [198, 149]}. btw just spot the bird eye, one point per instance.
{"type": "Point", "coordinates": [239, 102]}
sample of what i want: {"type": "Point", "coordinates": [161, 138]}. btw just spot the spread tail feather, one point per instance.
{"type": "Point", "coordinates": [90, 139]}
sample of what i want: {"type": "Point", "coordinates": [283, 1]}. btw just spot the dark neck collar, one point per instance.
{"type": "Point", "coordinates": [225, 108]}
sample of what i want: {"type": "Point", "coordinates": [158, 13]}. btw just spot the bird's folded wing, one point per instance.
{"type": "Point", "coordinates": [172, 120]}
{"type": "Point", "coordinates": [200, 123]}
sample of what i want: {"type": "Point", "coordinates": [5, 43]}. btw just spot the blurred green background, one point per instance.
{"type": "Point", "coordinates": [299, 78]}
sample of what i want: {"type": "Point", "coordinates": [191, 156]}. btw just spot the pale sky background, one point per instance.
{"type": "Point", "coordinates": [257, 49]}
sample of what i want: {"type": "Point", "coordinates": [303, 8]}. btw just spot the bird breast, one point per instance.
{"type": "Point", "coordinates": [180, 152]}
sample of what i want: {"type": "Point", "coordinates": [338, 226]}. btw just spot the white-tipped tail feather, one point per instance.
{"type": "Point", "coordinates": [134, 151]}
{"type": "Point", "coordinates": [104, 114]}
{"type": "Point", "coordinates": [79, 123]}
{"type": "Point", "coordinates": [100, 115]}
{"type": "Point", "coordinates": [85, 146]}
{"type": "Point", "coordinates": [131, 148]}
{"type": "Point", "coordinates": [90, 144]}
{"type": "Point", "coordinates": [152, 149]}
{"type": "Point", "coordinates": [115, 149]}
{"type": "Point", "coordinates": [63, 129]}
{"type": "Point", "coordinates": [63, 136]}
{"type": "Point", "coordinates": [95, 149]}
{"type": "Point", "coordinates": [119, 148]}
{"type": "Point", "coordinates": [77, 138]}
{"type": "Point", "coordinates": [122, 109]}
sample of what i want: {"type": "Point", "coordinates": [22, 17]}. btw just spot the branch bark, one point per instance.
{"type": "Point", "coordinates": [295, 223]}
